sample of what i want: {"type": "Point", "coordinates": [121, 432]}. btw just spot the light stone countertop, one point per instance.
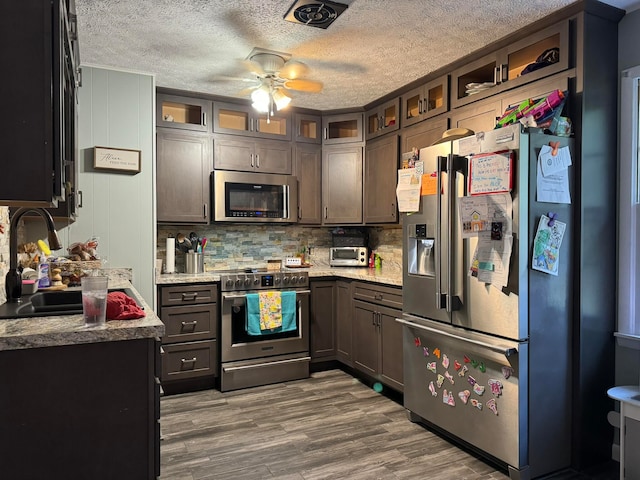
{"type": "Point", "coordinates": [34, 332]}
{"type": "Point", "coordinates": [383, 276]}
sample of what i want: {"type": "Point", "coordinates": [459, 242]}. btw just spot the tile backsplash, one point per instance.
{"type": "Point", "coordinates": [240, 246]}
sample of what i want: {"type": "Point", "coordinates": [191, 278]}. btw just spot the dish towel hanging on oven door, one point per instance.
{"type": "Point", "coordinates": [271, 312]}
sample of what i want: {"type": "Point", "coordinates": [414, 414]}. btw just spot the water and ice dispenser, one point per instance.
{"type": "Point", "coordinates": [421, 249]}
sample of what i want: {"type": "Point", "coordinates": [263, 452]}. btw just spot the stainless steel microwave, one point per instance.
{"type": "Point", "coordinates": [254, 197]}
{"type": "Point", "coordinates": [348, 257]}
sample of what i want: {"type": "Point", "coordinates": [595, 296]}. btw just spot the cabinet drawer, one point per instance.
{"type": "Point", "coordinates": [188, 294]}
{"type": "Point", "coordinates": [186, 324]}
{"type": "Point", "coordinates": [189, 360]}
{"type": "Point", "coordinates": [379, 294]}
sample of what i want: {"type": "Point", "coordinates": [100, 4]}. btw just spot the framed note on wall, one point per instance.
{"type": "Point", "coordinates": [117, 159]}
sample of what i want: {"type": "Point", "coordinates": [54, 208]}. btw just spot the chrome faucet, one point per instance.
{"type": "Point", "coordinates": [13, 280]}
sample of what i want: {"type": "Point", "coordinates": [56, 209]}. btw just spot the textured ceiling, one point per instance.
{"type": "Point", "coordinates": [373, 48]}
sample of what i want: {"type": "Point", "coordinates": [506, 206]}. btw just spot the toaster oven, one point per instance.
{"type": "Point", "coordinates": [348, 257]}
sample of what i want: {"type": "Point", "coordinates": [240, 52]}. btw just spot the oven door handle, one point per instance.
{"type": "Point", "coordinates": [266, 364]}
{"type": "Point", "coordinates": [244, 295]}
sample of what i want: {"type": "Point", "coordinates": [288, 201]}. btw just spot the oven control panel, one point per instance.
{"type": "Point", "coordinates": [263, 281]}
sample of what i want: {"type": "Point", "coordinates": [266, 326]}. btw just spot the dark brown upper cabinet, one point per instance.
{"type": "Point", "coordinates": [425, 101]}
{"type": "Point", "coordinates": [382, 119]}
{"type": "Point", "coordinates": [505, 68]}
{"type": "Point", "coordinates": [183, 112]}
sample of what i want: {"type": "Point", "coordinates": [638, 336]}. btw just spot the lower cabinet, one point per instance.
{"type": "Point", "coordinates": [189, 346]}
{"type": "Point", "coordinates": [344, 322]}
{"type": "Point", "coordinates": [81, 411]}
{"type": "Point", "coordinates": [376, 336]}
{"type": "Point", "coordinates": [322, 321]}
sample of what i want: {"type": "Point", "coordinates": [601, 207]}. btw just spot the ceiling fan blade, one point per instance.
{"type": "Point", "coordinates": [246, 91]}
{"type": "Point", "coordinates": [293, 69]}
{"type": "Point", "coordinates": [304, 85]}
{"type": "Point", "coordinates": [229, 78]}
{"type": "Point", "coordinates": [254, 67]}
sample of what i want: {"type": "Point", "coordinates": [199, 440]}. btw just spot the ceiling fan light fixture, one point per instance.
{"type": "Point", "coordinates": [261, 99]}
{"type": "Point", "coordinates": [281, 99]}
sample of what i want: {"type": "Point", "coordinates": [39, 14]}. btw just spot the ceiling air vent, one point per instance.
{"type": "Point", "coordinates": [314, 14]}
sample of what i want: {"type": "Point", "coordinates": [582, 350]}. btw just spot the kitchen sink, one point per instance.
{"type": "Point", "coordinates": [51, 303]}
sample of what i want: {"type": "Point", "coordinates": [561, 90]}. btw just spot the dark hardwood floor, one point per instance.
{"type": "Point", "coordinates": [330, 426]}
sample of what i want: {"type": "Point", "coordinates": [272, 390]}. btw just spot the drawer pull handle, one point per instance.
{"type": "Point", "coordinates": [189, 296]}
{"type": "Point", "coordinates": [190, 325]}
{"type": "Point", "coordinates": [188, 362]}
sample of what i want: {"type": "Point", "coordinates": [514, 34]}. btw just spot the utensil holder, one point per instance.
{"type": "Point", "coordinates": [193, 262]}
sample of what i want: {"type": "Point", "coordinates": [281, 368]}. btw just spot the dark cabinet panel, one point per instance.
{"type": "Point", "coordinates": [182, 176]}
{"type": "Point", "coordinates": [189, 346]}
{"type": "Point", "coordinates": [322, 343]}
{"type": "Point", "coordinates": [376, 336]}
{"type": "Point", "coordinates": [380, 171]}
{"type": "Point", "coordinates": [39, 124]}
{"type": "Point", "coordinates": [422, 135]}
{"type": "Point", "coordinates": [308, 170]}
{"type": "Point", "coordinates": [252, 155]}
{"type": "Point", "coordinates": [344, 319]}
{"type": "Point", "coordinates": [91, 404]}
{"type": "Point", "coordinates": [342, 184]}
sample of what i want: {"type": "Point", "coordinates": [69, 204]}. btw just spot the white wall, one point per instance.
{"type": "Point", "coordinates": [116, 110]}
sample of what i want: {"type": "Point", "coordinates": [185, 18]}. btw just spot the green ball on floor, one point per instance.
{"type": "Point", "coordinates": [377, 387]}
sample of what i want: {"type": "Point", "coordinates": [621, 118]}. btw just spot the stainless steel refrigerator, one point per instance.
{"type": "Point", "coordinates": [489, 363]}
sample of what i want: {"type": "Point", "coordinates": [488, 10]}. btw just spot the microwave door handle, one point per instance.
{"type": "Point", "coordinates": [440, 296]}
{"type": "Point", "coordinates": [285, 200]}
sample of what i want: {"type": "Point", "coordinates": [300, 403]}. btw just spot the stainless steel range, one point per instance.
{"type": "Point", "coordinates": [251, 358]}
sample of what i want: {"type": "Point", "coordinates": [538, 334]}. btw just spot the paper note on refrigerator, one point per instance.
{"type": "Point", "coordinates": [553, 187]}
{"type": "Point", "coordinates": [486, 213]}
{"type": "Point", "coordinates": [546, 246]}
{"type": "Point", "coordinates": [408, 189]}
{"type": "Point", "coordinates": [492, 260]}
{"type": "Point", "coordinates": [490, 173]}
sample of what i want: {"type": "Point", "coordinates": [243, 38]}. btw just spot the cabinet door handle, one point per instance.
{"type": "Point", "coordinates": [393, 209]}
{"type": "Point", "coordinates": [79, 198]}
{"type": "Point", "coordinates": [204, 119]}
{"type": "Point", "coordinates": [257, 160]}
{"type": "Point", "coordinates": [205, 211]}
{"type": "Point", "coordinates": [252, 160]}
{"type": "Point", "coordinates": [373, 318]}
{"type": "Point", "coordinates": [325, 133]}
{"type": "Point", "coordinates": [503, 70]}
{"type": "Point", "coordinates": [379, 317]}
{"type": "Point", "coordinates": [251, 124]}
{"type": "Point", "coordinates": [326, 212]}
{"type": "Point", "coordinates": [420, 107]}
{"type": "Point", "coordinates": [189, 296]}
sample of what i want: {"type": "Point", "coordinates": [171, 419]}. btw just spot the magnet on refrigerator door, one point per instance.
{"type": "Point", "coordinates": [464, 396]}
{"type": "Point", "coordinates": [463, 371]}
{"type": "Point", "coordinates": [449, 377]}
{"type": "Point", "coordinates": [476, 404]}
{"type": "Point", "coordinates": [425, 351]}
{"type": "Point", "coordinates": [496, 387]}
{"type": "Point", "coordinates": [440, 380]}
{"type": "Point", "coordinates": [432, 389]}
{"type": "Point", "coordinates": [457, 365]}
{"type": "Point", "coordinates": [445, 361]}
{"type": "Point", "coordinates": [431, 366]}
{"type": "Point", "coordinates": [478, 389]}
{"type": "Point", "coordinates": [492, 405]}
{"type": "Point", "coordinates": [447, 397]}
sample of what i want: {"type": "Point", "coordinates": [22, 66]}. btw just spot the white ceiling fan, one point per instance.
{"type": "Point", "coordinates": [276, 73]}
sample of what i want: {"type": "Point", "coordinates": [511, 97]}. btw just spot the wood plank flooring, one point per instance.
{"type": "Point", "coordinates": [330, 426]}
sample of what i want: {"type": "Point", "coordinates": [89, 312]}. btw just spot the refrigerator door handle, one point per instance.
{"type": "Point", "coordinates": [456, 164]}
{"type": "Point", "coordinates": [507, 351]}
{"type": "Point", "coordinates": [440, 296]}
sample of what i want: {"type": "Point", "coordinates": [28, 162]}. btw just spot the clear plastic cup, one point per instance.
{"type": "Point", "coordinates": [94, 300]}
